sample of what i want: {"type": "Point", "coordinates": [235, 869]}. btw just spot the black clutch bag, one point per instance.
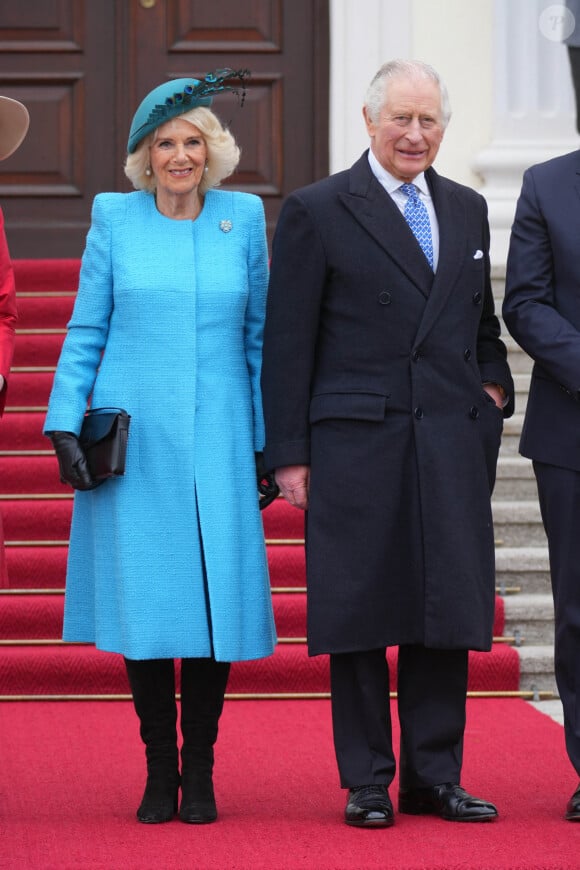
{"type": "Point", "coordinates": [103, 437]}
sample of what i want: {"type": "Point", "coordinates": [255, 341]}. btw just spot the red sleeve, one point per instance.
{"type": "Point", "coordinates": [8, 314]}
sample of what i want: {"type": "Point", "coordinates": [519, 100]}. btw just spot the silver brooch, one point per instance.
{"type": "Point", "coordinates": [225, 226]}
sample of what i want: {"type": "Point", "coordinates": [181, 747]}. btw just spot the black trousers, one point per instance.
{"type": "Point", "coordinates": [559, 494]}
{"type": "Point", "coordinates": [431, 688]}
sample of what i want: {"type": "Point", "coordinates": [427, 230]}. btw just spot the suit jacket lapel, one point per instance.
{"type": "Point", "coordinates": [376, 212]}
{"type": "Point", "coordinates": [577, 179]}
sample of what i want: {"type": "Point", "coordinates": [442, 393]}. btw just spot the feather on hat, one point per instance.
{"type": "Point", "coordinates": [177, 96]}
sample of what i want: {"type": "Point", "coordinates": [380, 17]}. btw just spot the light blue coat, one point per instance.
{"type": "Point", "coordinates": [168, 325]}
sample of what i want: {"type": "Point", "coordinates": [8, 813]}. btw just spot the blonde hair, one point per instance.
{"type": "Point", "coordinates": [223, 155]}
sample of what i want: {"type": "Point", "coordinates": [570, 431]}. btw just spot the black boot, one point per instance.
{"type": "Point", "coordinates": [203, 686]}
{"type": "Point", "coordinates": [152, 684]}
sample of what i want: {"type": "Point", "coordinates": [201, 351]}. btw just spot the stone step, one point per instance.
{"type": "Point", "coordinates": [522, 387]}
{"type": "Point", "coordinates": [551, 707]}
{"type": "Point", "coordinates": [526, 568]}
{"type": "Point", "coordinates": [512, 430]}
{"type": "Point", "coordinates": [529, 618]}
{"type": "Point", "coordinates": [518, 524]}
{"type": "Point", "coordinates": [498, 287]}
{"type": "Point", "coordinates": [522, 381]}
{"type": "Point", "coordinates": [519, 467]}
{"type": "Point", "coordinates": [515, 479]}
{"type": "Point", "coordinates": [521, 549]}
{"type": "Point", "coordinates": [537, 668]}
{"type": "Point", "coordinates": [518, 359]}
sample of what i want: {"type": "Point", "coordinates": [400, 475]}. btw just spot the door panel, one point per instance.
{"type": "Point", "coordinates": [225, 27]}
{"type": "Point", "coordinates": [50, 51]}
{"type": "Point", "coordinates": [82, 68]}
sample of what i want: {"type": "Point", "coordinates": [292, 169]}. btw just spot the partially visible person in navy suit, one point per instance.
{"type": "Point", "coordinates": [572, 42]}
{"type": "Point", "coordinates": [542, 311]}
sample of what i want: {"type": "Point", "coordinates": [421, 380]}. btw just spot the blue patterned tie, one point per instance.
{"type": "Point", "coordinates": [417, 217]}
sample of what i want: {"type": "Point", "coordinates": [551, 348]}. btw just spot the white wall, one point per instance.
{"type": "Point", "coordinates": [455, 36]}
{"type": "Point", "coordinates": [363, 35]}
{"type": "Point", "coordinates": [452, 35]}
{"type": "Point", "coordinates": [507, 74]}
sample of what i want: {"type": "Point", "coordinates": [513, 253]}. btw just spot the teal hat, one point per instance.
{"type": "Point", "coordinates": [177, 96]}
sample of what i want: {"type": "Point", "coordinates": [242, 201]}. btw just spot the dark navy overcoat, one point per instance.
{"type": "Point", "coordinates": [372, 375]}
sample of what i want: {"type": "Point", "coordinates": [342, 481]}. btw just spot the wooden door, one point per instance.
{"type": "Point", "coordinates": [57, 57]}
{"type": "Point", "coordinates": [82, 67]}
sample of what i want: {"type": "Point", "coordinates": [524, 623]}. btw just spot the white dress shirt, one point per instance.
{"type": "Point", "coordinates": [392, 186]}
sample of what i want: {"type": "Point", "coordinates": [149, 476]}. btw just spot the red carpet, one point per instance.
{"type": "Point", "coordinates": [71, 776]}
{"type": "Point", "coordinates": [71, 773]}
{"type": "Point", "coordinates": [36, 511]}
{"type": "Point", "coordinates": [74, 669]}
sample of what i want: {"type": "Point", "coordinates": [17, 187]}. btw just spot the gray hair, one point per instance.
{"type": "Point", "coordinates": [377, 92]}
{"type": "Point", "coordinates": [223, 155]}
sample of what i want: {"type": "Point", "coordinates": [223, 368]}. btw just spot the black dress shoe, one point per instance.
{"type": "Point", "coordinates": [369, 806]}
{"type": "Point", "coordinates": [449, 801]}
{"type": "Point", "coordinates": [573, 808]}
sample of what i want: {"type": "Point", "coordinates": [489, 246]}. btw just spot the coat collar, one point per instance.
{"type": "Point", "coordinates": [453, 252]}
{"type": "Point", "coordinates": [374, 209]}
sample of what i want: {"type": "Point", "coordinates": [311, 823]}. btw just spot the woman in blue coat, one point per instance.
{"type": "Point", "coordinates": [169, 560]}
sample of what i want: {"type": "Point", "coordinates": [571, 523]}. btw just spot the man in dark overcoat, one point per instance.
{"type": "Point", "coordinates": [542, 311]}
{"type": "Point", "coordinates": [385, 386]}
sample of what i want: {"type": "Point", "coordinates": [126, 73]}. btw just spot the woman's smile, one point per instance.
{"type": "Point", "coordinates": [178, 156]}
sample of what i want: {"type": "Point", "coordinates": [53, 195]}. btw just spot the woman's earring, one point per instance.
{"type": "Point", "coordinates": [205, 168]}
{"type": "Point", "coordinates": [148, 171]}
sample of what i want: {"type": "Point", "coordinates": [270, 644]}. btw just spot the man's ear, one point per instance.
{"type": "Point", "coordinates": [371, 127]}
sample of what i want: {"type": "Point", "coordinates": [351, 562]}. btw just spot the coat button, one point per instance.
{"type": "Point", "coordinates": [415, 356]}
{"type": "Point", "coordinates": [419, 413]}
{"type": "Point", "coordinates": [467, 353]}
{"type": "Point", "coordinates": [385, 297]}
{"type": "Point", "coordinates": [474, 412]}
{"type": "Point", "coordinates": [476, 298]}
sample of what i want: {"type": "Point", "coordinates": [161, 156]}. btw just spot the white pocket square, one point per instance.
{"type": "Point", "coordinates": [478, 255]}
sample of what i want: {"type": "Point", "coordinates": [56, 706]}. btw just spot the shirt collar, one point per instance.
{"type": "Point", "coordinates": [389, 182]}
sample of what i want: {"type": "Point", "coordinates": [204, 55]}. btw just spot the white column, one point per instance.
{"type": "Point", "coordinates": [533, 106]}
{"type": "Point", "coordinates": [363, 35]}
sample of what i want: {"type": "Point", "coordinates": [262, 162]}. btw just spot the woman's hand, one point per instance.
{"type": "Point", "coordinates": [72, 461]}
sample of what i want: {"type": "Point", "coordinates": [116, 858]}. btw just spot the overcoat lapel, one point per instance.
{"type": "Point", "coordinates": [375, 211]}
{"type": "Point", "coordinates": [451, 218]}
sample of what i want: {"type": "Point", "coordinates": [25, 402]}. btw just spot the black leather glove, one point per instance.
{"type": "Point", "coordinates": [72, 461]}
{"type": "Point", "coordinates": [267, 486]}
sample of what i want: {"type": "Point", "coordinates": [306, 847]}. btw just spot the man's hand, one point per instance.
{"type": "Point", "coordinates": [497, 393]}
{"type": "Point", "coordinates": [294, 481]}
